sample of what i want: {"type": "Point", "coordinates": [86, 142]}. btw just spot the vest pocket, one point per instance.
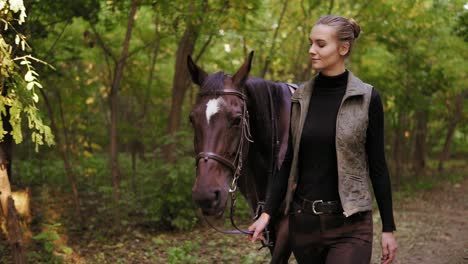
{"type": "Point", "coordinates": [355, 189]}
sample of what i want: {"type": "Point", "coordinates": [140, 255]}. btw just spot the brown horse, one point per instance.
{"type": "Point", "coordinates": [241, 128]}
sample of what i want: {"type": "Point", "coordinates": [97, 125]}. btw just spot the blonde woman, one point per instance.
{"type": "Point", "coordinates": [336, 144]}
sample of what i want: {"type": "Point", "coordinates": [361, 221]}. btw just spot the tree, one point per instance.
{"type": "Point", "coordinates": [118, 73]}
{"type": "Point", "coordinates": [181, 79]}
{"type": "Point", "coordinates": [18, 99]}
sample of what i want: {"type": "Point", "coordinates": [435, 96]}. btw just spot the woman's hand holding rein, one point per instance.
{"type": "Point", "coordinates": [258, 226]}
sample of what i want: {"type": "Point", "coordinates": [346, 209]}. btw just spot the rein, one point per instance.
{"type": "Point", "coordinates": [235, 166]}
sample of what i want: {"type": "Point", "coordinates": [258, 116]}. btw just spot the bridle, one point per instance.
{"type": "Point", "coordinates": [236, 165]}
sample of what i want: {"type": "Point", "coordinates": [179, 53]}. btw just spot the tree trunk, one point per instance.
{"type": "Point", "coordinates": [8, 210]}
{"type": "Point", "coordinates": [419, 150]}
{"type": "Point", "coordinates": [64, 150]}
{"type": "Point", "coordinates": [7, 142]}
{"type": "Point", "coordinates": [118, 76]}
{"type": "Point", "coordinates": [457, 117]}
{"type": "Point", "coordinates": [398, 149]}
{"type": "Point", "coordinates": [181, 81]}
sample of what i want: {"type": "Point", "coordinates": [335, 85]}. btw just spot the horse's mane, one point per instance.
{"type": "Point", "coordinates": [261, 92]}
{"type": "Point", "coordinates": [264, 95]}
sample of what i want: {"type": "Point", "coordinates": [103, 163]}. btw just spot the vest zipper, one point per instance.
{"type": "Point", "coordinates": [336, 145]}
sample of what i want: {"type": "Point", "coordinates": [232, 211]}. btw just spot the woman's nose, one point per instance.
{"type": "Point", "coordinates": [311, 49]}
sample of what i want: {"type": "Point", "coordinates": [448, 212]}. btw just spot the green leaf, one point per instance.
{"type": "Point", "coordinates": [30, 85]}
{"type": "Point", "coordinates": [29, 77]}
{"type": "Point", "coordinates": [35, 97]}
{"type": "Point", "coordinates": [38, 84]}
{"type": "Point", "coordinates": [66, 250]}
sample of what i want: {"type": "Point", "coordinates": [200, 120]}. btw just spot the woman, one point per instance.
{"type": "Point", "coordinates": [336, 143]}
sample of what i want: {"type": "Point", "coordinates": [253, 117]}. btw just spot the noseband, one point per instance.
{"type": "Point", "coordinates": [234, 166]}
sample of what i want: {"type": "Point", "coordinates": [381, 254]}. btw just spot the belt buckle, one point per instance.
{"type": "Point", "coordinates": [313, 206]}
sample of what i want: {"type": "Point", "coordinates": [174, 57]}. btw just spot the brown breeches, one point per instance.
{"type": "Point", "coordinates": [331, 238]}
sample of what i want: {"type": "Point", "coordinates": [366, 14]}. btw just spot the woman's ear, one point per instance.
{"type": "Point", "coordinates": [344, 48]}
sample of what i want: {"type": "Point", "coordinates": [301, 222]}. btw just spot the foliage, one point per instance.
{"type": "Point", "coordinates": [461, 28]}
{"type": "Point", "coordinates": [182, 254]}
{"type": "Point", "coordinates": [413, 52]}
{"type": "Point", "coordinates": [49, 238]}
{"type": "Point", "coordinates": [18, 78]}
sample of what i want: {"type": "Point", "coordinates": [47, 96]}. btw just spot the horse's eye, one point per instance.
{"type": "Point", "coordinates": [237, 121]}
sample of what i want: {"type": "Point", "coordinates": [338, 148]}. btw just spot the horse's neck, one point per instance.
{"type": "Point", "coordinates": [267, 127]}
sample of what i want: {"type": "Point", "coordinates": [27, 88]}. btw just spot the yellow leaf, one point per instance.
{"type": "Point", "coordinates": [87, 154]}
{"type": "Point", "coordinates": [89, 100]}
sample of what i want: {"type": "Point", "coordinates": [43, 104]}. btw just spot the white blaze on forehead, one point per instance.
{"type": "Point", "coordinates": [212, 107]}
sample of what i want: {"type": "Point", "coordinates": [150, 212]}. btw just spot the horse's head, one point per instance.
{"type": "Point", "coordinates": [219, 119]}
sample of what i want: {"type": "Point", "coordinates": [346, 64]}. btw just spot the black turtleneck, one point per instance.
{"type": "Point", "coordinates": [318, 173]}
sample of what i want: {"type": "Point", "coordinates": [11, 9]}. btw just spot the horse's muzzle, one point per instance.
{"type": "Point", "coordinates": [209, 200]}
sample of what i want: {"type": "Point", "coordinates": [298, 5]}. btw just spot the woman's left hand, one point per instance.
{"type": "Point", "coordinates": [389, 247]}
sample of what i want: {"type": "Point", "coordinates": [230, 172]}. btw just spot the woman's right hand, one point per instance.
{"type": "Point", "coordinates": [258, 226]}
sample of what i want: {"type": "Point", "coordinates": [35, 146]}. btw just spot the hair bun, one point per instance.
{"type": "Point", "coordinates": [356, 27]}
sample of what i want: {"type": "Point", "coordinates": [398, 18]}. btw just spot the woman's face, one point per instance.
{"type": "Point", "coordinates": [326, 52]}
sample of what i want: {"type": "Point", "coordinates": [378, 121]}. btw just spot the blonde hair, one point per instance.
{"type": "Point", "coordinates": [347, 29]}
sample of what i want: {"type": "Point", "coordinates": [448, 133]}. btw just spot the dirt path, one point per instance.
{"type": "Point", "coordinates": [432, 226]}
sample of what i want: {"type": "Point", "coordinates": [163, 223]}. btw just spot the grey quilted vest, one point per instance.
{"type": "Point", "coordinates": [351, 126]}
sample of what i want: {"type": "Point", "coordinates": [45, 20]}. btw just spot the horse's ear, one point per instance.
{"type": "Point", "coordinates": [197, 73]}
{"type": "Point", "coordinates": [241, 75]}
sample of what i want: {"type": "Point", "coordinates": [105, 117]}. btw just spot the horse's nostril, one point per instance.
{"type": "Point", "coordinates": [216, 198]}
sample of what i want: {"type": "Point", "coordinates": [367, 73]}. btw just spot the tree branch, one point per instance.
{"type": "Point", "coordinates": [118, 73]}
{"type": "Point", "coordinates": [267, 61]}
{"type": "Point", "coordinates": [330, 8]}
{"type": "Point", "coordinates": [55, 42]}
{"type": "Point", "coordinates": [204, 47]}
{"type": "Point", "coordinates": [103, 46]}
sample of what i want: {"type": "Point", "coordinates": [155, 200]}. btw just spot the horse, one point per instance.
{"type": "Point", "coordinates": [241, 129]}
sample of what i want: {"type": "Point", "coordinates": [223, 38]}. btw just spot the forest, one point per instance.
{"type": "Point", "coordinates": [96, 140]}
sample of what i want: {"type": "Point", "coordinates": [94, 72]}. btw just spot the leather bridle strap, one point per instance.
{"type": "Point", "coordinates": [224, 92]}
{"type": "Point", "coordinates": [220, 159]}
{"type": "Point", "coordinates": [245, 133]}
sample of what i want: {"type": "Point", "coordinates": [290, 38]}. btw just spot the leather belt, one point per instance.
{"type": "Point", "coordinates": [319, 206]}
